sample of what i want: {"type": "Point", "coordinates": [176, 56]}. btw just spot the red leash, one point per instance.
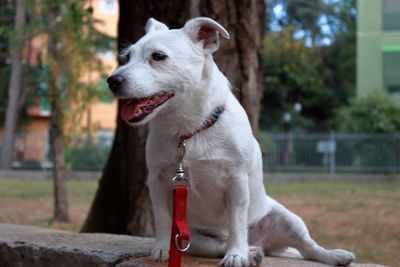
{"type": "Point", "coordinates": [180, 230]}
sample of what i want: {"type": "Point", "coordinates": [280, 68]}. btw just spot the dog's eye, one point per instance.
{"type": "Point", "coordinates": [158, 56]}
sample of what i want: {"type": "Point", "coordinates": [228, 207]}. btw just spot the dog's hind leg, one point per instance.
{"type": "Point", "coordinates": [281, 228]}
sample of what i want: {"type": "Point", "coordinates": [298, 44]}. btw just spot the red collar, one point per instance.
{"type": "Point", "coordinates": [213, 118]}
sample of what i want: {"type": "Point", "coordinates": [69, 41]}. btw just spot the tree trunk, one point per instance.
{"type": "Point", "coordinates": [13, 92]}
{"type": "Point", "coordinates": [121, 204]}
{"type": "Point", "coordinates": [239, 58]}
{"type": "Point", "coordinates": [57, 152]}
{"type": "Point", "coordinates": [57, 125]}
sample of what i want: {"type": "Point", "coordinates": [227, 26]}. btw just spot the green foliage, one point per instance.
{"type": "Point", "coordinates": [319, 76]}
{"type": "Point", "coordinates": [372, 114]}
{"type": "Point", "coordinates": [293, 73]}
{"type": "Point", "coordinates": [304, 14]}
{"type": "Point", "coordinates": [7, 10]}
{"type": "Point", "coordinates": [376, 114]}
{"type": "Point", "coordinates": [72, 53]}
{"type": "Point", "coordinates": [341, 16]}
{"type": "Point", "coordinates": [340, 56]}
{"type": "Point", "coordinates": [6, 26]}
{"type": "Point", "coordinates": [4, 76]}
{"type": "Point", "coordinates": [69, 75]}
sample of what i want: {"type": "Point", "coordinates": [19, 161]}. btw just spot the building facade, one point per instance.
{"type": "Point", "coordinates": [378, 48]}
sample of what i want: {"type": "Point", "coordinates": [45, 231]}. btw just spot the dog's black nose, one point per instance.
{"type": "Point", "coordinates": [115, 82]}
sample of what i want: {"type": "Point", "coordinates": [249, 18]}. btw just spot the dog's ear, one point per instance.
{"type": "Point", "coordinates": [205, 32]}
{"type": "Point", "coordinates": [155, 25]}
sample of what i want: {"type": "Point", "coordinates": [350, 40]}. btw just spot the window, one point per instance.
{"type": "Point", "coordinates": [391, 71]}
{"type": "Point", "coordinates": [391, 15]}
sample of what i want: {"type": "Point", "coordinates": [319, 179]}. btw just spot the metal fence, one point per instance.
{"type": "Point", "coordinates": [32, 152]}
{"type": "Point", "coordinates": [373, 153]}
{"type": "Point", "coordinates": [331, 153]}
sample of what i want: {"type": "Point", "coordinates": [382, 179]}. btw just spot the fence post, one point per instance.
{"type": "Point", "coordinates": [332, 154]}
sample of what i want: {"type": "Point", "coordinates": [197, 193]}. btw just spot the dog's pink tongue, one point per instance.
{"type": "Point", "coordinates": [128, 110]}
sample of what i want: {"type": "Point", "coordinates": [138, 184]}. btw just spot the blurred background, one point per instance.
{"type": "Point", "coordinates": [319, 79]}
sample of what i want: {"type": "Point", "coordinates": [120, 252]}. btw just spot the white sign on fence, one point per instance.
{"type": "Point", "coordinates": [328, 147]}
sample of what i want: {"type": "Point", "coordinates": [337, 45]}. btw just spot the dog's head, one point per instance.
{"type": "Point", "coordinates": [163, 66]}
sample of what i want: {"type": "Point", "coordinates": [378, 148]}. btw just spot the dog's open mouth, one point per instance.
{"type": "Point", "coordinates": [136, 109]}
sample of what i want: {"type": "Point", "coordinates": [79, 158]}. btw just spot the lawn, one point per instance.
{"type": "Point", "coordinates": [31, 202]}
{"type": "Point", "coordinates": [363, 217]}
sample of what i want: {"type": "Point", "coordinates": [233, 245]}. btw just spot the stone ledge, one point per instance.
{"type": "Point", "coordinates": [40, 247]}
{"type": "Point", "coordinates": [33, 246]}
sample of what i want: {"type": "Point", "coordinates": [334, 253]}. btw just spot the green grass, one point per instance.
{"type": "Point", "coordinates": [360, 216]}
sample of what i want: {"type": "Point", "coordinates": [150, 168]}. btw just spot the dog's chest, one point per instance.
{"type": "Point", "coordinates": [208, 180]}
{"type": "Point", "coordinates": [206, 176]}
{"type": "Point", "coordinates": [210, 168]}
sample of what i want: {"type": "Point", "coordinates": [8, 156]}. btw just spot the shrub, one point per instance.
{"type": "Point", "coordinates": [374, 114]}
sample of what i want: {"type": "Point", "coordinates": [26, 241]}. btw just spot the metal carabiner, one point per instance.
{"type": "Point", "coordinates": [177, 245]}
{"type": "Point", "coordinates": [180, 172]}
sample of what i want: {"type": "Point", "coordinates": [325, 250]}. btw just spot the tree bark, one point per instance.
{"type": "Point", "coordinates": [239, 58]}
{"type": "Point", "coordinates": [57, 150]}
{"type": "Point", "coordinates": [57, 125]}
{"type": "Point", "coordinates": [121, 204]}
{"type": "Point", "coordinates": [14, 89]}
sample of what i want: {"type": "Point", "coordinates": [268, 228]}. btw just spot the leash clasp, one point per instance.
{"type": "Point", "coordinates": [180, 172]}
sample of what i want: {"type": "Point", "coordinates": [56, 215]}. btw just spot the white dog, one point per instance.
{"type": "Point", "coordinates": [171, 81]}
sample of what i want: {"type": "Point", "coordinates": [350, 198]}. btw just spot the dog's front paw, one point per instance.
{"type": "Point", "coordinates": [159, 254]}
{"type": "Point", "coordinates": [235, 260]}
{"type": "Point", "coordinates": [340, 257]}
